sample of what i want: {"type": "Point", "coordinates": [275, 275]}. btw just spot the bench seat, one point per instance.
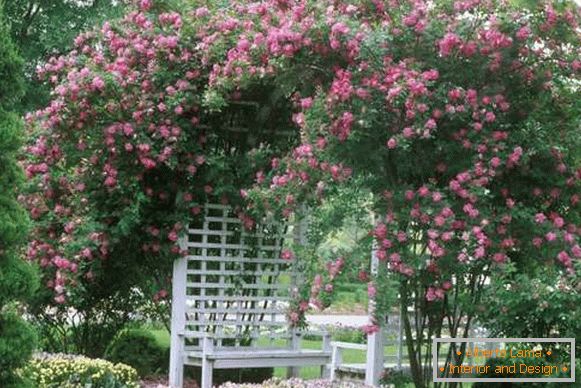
{"type": "Point", "coordinates": [259, 357]}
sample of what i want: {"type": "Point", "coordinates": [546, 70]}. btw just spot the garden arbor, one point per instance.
{"type": "Point", "coordinates": [231, 291]}
{"type": "Point", "coordinates": [230, 294]}
{"type": "Point", "coordinates": [462, 121]}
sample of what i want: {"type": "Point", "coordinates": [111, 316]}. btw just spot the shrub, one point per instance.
{"type": "Point", "coordinates": [17, 341]}
{"type": "Point", "coordinates": [97, 320]}
{"type": "Point", "coordinates": [138, 348]}
{"type": "Point", "coordinates": [349, 334]}
{"type": "Point", "coordinates": [395, 377]}
{"type": "Point", "coordinates": [341, 333]}
{"type": "Point", "coordinates": [69, 371]}
{"type": "Point", "coordinates": [17, 280]}
{"type": "Point", "coordinates": [535, 304]}
{"type": "Point", "coordinates": [88, 337]}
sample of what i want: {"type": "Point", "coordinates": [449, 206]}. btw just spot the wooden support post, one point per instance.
{"type": "Point", "coordinates": [207, 365]}
{"type": "Point", "coordinates": [375, 356]}
{"type": "Point", "coordinates": [336, 360]}
{"type": "Point", "coordinates": [326, 369]}
{"type": "Point", "coordinates": [374, 366]}
{"type": "Point", "coordinates": [295, 344]}
{"type": "Point", "coordinates": [178, 319]}
{"type": "Point", "coordinates": [299, 238]}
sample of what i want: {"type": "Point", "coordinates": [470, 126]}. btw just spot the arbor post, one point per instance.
{"type": "Point", "coordinates": [375, 356]}
{"type": "Point", "coordinates": [178, 319]}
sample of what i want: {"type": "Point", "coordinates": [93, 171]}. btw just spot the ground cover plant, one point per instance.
{"type": "Point", "coordinates": [71, 371]}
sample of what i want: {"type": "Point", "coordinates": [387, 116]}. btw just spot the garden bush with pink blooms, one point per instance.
{"type": "Point", "coordinates": [460, 119]}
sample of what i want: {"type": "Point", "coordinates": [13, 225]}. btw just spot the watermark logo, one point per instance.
{"type": "Point", "coordinates": [504, 359]}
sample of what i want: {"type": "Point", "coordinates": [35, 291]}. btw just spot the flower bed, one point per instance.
{"type": "Point", "coordinates": [296, 383]}
{"type": "Point", "coordinates": [72, 371]}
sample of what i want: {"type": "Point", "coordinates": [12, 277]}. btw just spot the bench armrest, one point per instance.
{"type": "Point", "coordinates": [195, 334]}
{"type": "Point", "coordinates": [337, 354]}
{"type": "Point", "coordinates": [348, 345]}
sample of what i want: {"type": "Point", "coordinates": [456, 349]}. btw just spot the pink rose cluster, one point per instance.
{"type": "Point", "coordinates": [127, 129]}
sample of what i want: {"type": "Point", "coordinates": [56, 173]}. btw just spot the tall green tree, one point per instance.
{"type": "Point", "coordinates": [17, 280]}
{"type": "Point", "coordinates": [42, 28]}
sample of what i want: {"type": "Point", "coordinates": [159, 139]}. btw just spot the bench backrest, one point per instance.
{"type": "Point", "coordinates": [237, 286]}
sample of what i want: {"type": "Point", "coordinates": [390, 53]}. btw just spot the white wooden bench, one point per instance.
{"type": "Point", "coordinates": [230, 298]}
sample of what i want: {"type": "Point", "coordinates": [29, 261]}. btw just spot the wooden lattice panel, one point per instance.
{"type": "Point", "coordinates": [237, 286]}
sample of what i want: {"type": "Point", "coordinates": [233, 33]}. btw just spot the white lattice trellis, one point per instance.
{"type": "Point", "coordinates": [229, 292]}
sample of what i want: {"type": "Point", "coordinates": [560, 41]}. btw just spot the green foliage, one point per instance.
{"type": "Point", "coordinates": [133, 338]}
{"type": "Point", "coordinates": [17, 279]}
{"type": "Point", "coordinates": [349, 334]}
{"type": "Point", "coordinates": [17, 341]}
{"type": "Point", "coordinates": [47, 371]}
{"type": "Point", "coordinates": [10, 68]}
{"type": "Point", "coordinates": [40, 28]}
{"type": "Point", "coordinates": [535, 304]}
{"type": "Point", "coordinates": [139, 349]}
{"type": "Point", "coordinates": [97, 320]}
{"type": "Point", "coordinates": [397, 378]}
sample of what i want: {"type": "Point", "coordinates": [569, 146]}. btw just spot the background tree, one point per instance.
{"type": "Point", "coordinates": [41, 28]}
{"type": "Point", "coordinates": [17, 280]}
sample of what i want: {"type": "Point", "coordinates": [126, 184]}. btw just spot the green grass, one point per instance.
{"type": "Point", "coordinates": [350, 356]}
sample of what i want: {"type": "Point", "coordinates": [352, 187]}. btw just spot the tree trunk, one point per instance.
{"type": "Point", "coordinates": [415, 364]}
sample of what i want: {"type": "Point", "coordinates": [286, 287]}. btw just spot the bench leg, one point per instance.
{"type": "Point", "coordinates": [327, 347]}
{"type": "Point", "coordinates": [295, 344]}
{"type": "Point", "coordinates": [336, 360]}
{"type": "Point", "coordinates": [176, 376]}
{"type": "Point", "coordinates": [207, 371]}
{"type": "Point", "coordinates": [176, 365]}
{"type": "Point", "coordinates": [292, 371]}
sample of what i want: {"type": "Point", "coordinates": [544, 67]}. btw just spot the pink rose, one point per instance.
{"type": "Point", "coordinates": [98, 83]}
{"type": "Point", "coordinates": [145, 5]}
{"type": "Point", "coordinates": [287, 254]}
{"type": "Point", "coordinates": [371, 290]}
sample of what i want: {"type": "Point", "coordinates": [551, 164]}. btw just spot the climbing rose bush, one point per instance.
{"type": "Point", "coordinates": [126, 152]}
{"type": "Point", "coordinates": [460, 117]}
